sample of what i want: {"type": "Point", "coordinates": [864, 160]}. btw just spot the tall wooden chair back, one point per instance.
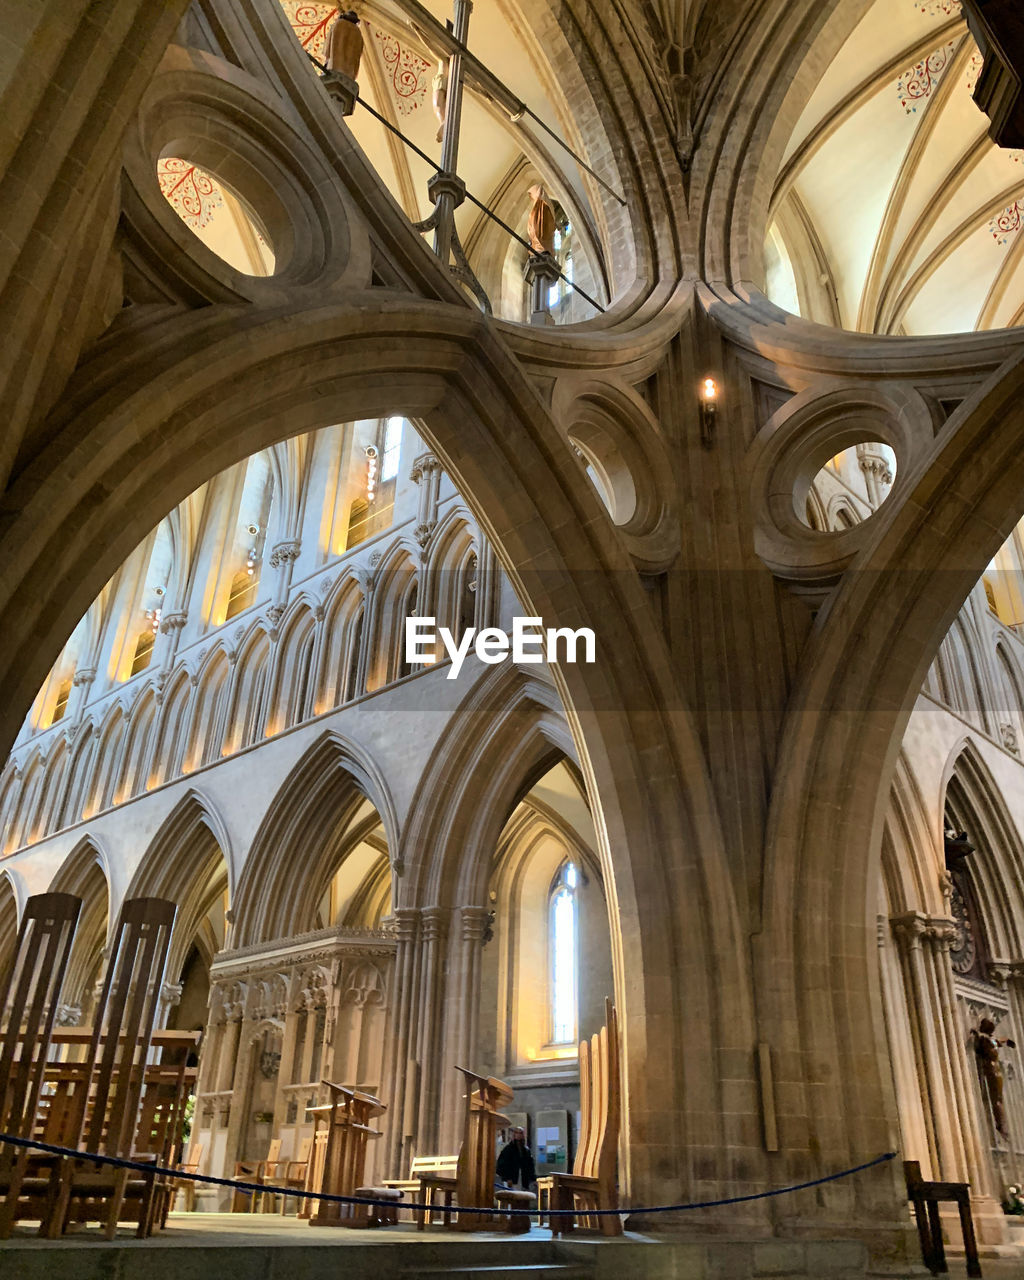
{"type": "Point", "coordinates": [29, 1004]}
{"type": "Point", "coordinates": [125, 1017]}
{"type": "Point", "coordinates": [592, 1183]}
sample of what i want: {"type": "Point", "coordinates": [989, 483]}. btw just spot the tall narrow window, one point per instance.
{"type": "Point", "coordinates": [562, 934]}
{"type": "Point", "coordinates": [392, 449]}
{"type": "Point", "coordinates": [61, 705]}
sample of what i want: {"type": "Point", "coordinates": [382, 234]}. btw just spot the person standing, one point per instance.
{"type": "Point", "coordinates": [515, 1162]}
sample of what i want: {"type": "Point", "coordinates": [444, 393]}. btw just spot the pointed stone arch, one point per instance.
{"type": "Point", "coordinates": [344, 613]}
{"type": "Point", "coordinates": [84, 872]}
{"type": "Point", "coordinates": [189, 861]}
{"type": "Point", "coordinates": [973, 796]}
{"type": "Point", "coordinates": [303, 837]}
{"type": "Point", "coordinates": [9, 920]}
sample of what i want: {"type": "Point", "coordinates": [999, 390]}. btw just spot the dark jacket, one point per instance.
{"type": "Point", "coordinates": [515, 1164]}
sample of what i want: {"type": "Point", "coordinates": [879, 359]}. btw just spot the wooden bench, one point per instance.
{"type": "Point", "coordinates": [107, 1110]}
{"type": "Point", "coordinates": [29, 999]}
{"type": "Point", "coordinates": [926, 1198]}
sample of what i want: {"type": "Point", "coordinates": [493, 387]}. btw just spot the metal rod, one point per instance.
{"type": "Point", "coordinates": [446, 199]}
{"type": "Point", "coordinates": [489, 84]}
{"type": "Point", "coordinates": [582, 163]}
{"type": "Point", "coordinates": [469, 195]}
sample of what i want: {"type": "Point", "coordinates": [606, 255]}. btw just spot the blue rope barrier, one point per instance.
{"type": "Point", "coordinates": [251, 1188]}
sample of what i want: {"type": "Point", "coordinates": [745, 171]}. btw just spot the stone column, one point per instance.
{"type": "Point", "coordinates": [426, 474]}
{"type": "Point", "coordinates": [399, 1131]}
{"type": "Point", "coordinates": [432, 975]}
{"type": "Point", "coordinates": [946, 1139]}
{"type": "Point", "coordinates": [541, 273]}
{"type": "Point", "coordinates": [465, 952]}
{"type": "Point", "coordinates": [946, 1085]}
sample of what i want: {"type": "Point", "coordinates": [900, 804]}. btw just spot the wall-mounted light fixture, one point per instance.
{"type": "Point", "coordinates": [371, 472]}
{"type": "Point", "coordinates": [708, 411]}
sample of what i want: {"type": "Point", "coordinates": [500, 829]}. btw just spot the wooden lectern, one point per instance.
{"type": "Point", "coordinates": [344, 1160]}
{"type": "Point", "coordinates": [475, 1174]}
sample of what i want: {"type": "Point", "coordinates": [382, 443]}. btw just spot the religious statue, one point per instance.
{"type": "Point", "coordinates": [986, 1048]}
{"type": "Point", "coordinates": [439, 85]}
{"type": "Point", "coordinates": [344, 46]}
{"type": "Point", "coordinates": [541, 226]}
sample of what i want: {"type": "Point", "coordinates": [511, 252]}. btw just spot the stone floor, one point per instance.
{"type": "Point", "coordinates": [270, 1247]}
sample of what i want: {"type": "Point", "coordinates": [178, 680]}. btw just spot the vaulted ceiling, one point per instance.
{"type": "Point", "coordinates": [893, 212]}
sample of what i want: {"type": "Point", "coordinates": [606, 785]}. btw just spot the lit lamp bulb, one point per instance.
{"type": "Point", "coordinates": [708, 411]}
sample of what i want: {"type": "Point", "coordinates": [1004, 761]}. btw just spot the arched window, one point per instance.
{"type": "Point", "coordinates": [61, 705]}
{"type": "Point", "coordinates": [562, 288]}
{"type": "Point", "coordinates": [563, 933]}
{"type": "Point", "coordinates": [392, 450]}
{"type": "Point", "coordinates": [143, 650]}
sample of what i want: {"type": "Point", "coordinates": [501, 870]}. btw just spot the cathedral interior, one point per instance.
{"type": "Point", "coordinates": [694, 324]}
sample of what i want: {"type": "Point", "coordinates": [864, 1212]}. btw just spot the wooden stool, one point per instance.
{"type": "Point", "coordinates": [379, 1215]}
{"type": "Point", "coordinates": [510, 1198]}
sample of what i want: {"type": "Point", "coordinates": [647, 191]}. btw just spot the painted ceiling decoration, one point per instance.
{"type": "Point", "coordinates": [921, 79]}
{"type": "Point", "coordinates": [310, 23]}
{"type": "Point", "coordinates": [410, 75]}
{"type": "Point", "coordinates": [1008, 223]}
{"type": "Point", "coordinates": [895, 212]}
{"type": "Point", "coordinates": [932, 8]}
{"type": "Point", "coordinates": [191, 192]}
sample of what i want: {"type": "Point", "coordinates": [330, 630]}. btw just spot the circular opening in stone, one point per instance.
{"type": "Point", "coordinates": [218, 216]}
{"type": "Point", "coordinates": [607, 470]}
{"type": "Point", "coordinates": [849, 488]}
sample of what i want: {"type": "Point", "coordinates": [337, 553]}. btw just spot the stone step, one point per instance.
{"type": "Point", "coordinates": [525, 1270]}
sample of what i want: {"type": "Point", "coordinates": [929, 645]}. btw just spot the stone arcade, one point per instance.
{"type": "Point", "coordinates": [756, 420]}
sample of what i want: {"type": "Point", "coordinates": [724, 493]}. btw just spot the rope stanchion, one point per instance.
{"type": "Point", "coordinates": [235, 1184]}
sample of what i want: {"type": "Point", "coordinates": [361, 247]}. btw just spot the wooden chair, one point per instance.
{"type": "Point", "coordinates": [191, 1164]}
{"type": "Point", "coordinates": [348, 1133]}
{"type": "Point", "coordinates": [30, 1001]}
{"type": "Point", "coordinates": [254, 1171]}
{"type": "Point", "coordinates": [317, 1160]}
{"type": "Point", "coordinates": [926, 1198]}
{"type": "Point", "coordinates": [105, 1113]}
{"type": "Point", "coordinates": [475, 1176]}
{"type": "Point", "coordinates": [291, 1176]}
{"type": "Point", "coordinates": [592, 1183]}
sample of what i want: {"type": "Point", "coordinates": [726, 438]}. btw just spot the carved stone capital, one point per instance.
{"type": "Point", "coordinates": [84, 675]}
{"type": "Point", "coordinates": [423, 532]}
{"type": "Point", "coordinates": [473, 922]}
{"type": "Point", "coordinates": [275, 613]}
{"type": "Point", "coordinates": [1009, 736]}
{"type": "Point", "coordinates": [173, 622]}
{"type": "Point", "coordinates": [1005, 972]}
{"type": "Point", "coordinates": [915, 927]}
{"type": "Point", "coordinates": [69, 1015]}
{"type": "Point", "coordinates": [285, 553]}
{"type": "Point", "coordinates": [170, 993]}
{"type": "Point", "coordinates": [426, 464]}
{"type": "Point", "coordinates": [435, 923]}
{"type": "Point", "coordinates": [407, 923]}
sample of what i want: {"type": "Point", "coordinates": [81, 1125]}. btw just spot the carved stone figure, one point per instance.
{"type": "Point", "coordinates": [439, 86]}
{"type": "Point", "coordinates": [541, 226]}
{"type": "Point", "coordinates": [986, 1047]}
{"type": "Point", "coordinates": [344, 46]}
